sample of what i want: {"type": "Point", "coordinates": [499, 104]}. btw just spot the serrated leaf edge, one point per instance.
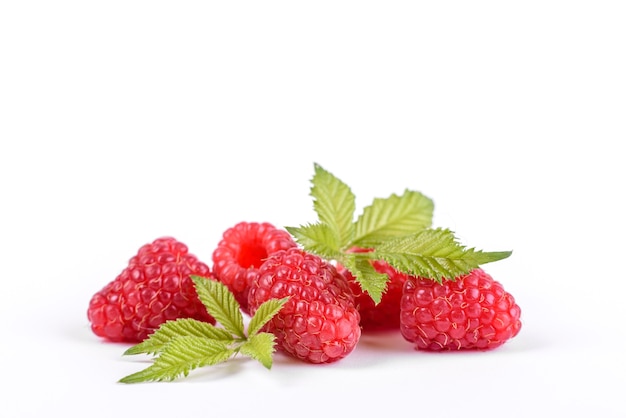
{"type": "Point", "coordinates": [266, 311]}
{"type": "Point", "coordinates": [178, 328]}
{"type": "Point", "coordinates": [220, 303]}
{"type": "Point", "coordinates": [179, 357]}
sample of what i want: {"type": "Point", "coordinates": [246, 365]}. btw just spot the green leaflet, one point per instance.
{"type": "Point", "coordinates": [334, 204]}
{"type": "Point", "coordinates": [371, 281]}
{"type": "Point", "coordinates": [180, 356]}
{"type": "Point", "coordinates": [220, 303]}
{"type": "Point", "coordinates": [435, 254]}
{"type": "Point", "coordinates": [393, 217]}
{"type": "Point", "coordinates": [317, 238]}
{"type": "Point", "coordinates": [179, 328]}
{"type": "Point", "coordinates": [260, 347]}
{"type": "Point", "coordinates": [264, 313]}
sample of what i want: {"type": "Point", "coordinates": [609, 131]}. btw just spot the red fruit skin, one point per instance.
{"type": "Point", "coordinates": [319, 323]}
{"type": "Point", "coordinates": [155, 287]}
{"type": "Point", "coordinates": [472, 312]}
{"type": "Point", "coordinates": [240, 253]}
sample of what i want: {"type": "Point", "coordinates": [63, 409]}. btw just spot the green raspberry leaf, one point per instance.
{"type": "Point", "coordinates": [484, 257]}
{"type": "Point", "coordinates": [180, 356]}
{"type": "Point", "coordinates": [317, 238]}
{"type": "Point", "coordinates": [182, 327]}
{"type": "Point", "coordinates": [264, 313]}
{"type": "Point", "coordinates": [371, 281]}
{"type": "Point", "coordinates": [434, 254]}
{"type": "Point", "coordinates": [393, 217]}
{"type": "Point", "coordinates": [334, 204]}
{"type": "Point", "coordinates": [260, 347]}
{"type": "Point", "coordinates": [221, 304]}
{"type": "Point", "coordinates": [186, 344]}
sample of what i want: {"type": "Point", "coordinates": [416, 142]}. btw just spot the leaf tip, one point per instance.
{"type": "Point", "coordinates": [131, 351]}
{"type": "Point", "coordinates": [131, 378]}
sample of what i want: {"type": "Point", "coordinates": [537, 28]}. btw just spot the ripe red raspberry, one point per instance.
{"type": "Point", "coordinates": [319, 323]}
{"type": "Point", "coordinates": [242, 250]}
{"type": "Point", "coordinates": [155, 287]}
{"type": "Point", "coordinates": [472, 312]}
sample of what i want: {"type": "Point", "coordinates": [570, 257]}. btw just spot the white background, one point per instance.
{"type": "Point", "coordinates": [122, 121]}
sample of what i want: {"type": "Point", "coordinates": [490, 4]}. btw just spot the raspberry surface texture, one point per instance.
{"type": "Point", "coordinates": [155, 287]}
{"type": "Point", "coordinates": [319, 323]}
{"type": "Point", "coordinates": [242, 250]}
{"type": "Point", "coordinates": [472, 312]}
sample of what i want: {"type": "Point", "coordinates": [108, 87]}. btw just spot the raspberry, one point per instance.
{"type": "Point", "coordinates": [155, 287]}
{"type": "Point", "coordinates": [319, 323]}
{"type": "Point", "coordinates": [241, 252]}
{"type": "Point", "coordinates": [472, 312]}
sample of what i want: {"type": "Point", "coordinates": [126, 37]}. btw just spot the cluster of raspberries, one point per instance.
{"type": "Point", "coordinates": [327, 311]}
